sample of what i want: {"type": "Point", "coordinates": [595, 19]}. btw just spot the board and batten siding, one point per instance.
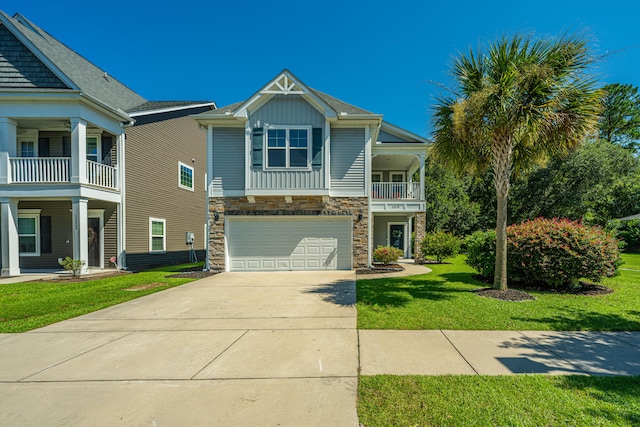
{"type": "Point", "coordinates": [290, 110]}
{"type": "Point", "coordinates": [152, 155]}
{"type": "Point", "coordinates": [348, 162]}
{"type": "Point", "coordinates": [228, 160]}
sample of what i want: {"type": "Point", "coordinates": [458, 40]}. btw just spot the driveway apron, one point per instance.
{"type": "Point", "coordinates": [238, 349]}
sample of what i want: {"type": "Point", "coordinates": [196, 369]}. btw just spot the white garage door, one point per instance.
{"type": "Point", "coordinates": [289, 243]}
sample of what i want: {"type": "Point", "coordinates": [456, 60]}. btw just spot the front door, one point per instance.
{"type": "Point", "coordinates": [94, 242]}
{"type": "Point", "coordinates": [396, 235]}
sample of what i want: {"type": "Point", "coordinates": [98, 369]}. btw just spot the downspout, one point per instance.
{"type": "Point", "coordinates": [209, 163]}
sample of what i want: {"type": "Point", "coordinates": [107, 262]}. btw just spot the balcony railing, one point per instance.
{"type": "Point", "coordinates": [101, 175]}
{"type": "Point", "coordinates": [39, 169]}
{"type": "Point", "coordinates": [57, 170]}
{"type": "Point", "coordinates": [395, 190]}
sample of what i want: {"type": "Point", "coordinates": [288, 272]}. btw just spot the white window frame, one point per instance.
{"type": "Point", "coordinates": [35, 214]}
{"type": "Point", "coordinates": [28, 136]}
{"type": "Point", "coordinates": [98, 147]}
{"type": "Point", "coordinates": [377, 173]}
{"type": "Point", "coordinates": [287, 147]}
{"type": "Point", "coordinates": [404, 176]}
{"type": "Point", "coordinates": [151, 236]}
{"type": "Point", "coordinates": [184, 165]}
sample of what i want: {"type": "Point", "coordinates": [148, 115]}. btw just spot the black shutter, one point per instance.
{"type": "Point", "coordinates": [257, 144]}
{"type": "Point", "coordinates": [316, 148]}
{"type": "Point", "coordinates": [43, 147]}
{"type": "Point", "coordinates": [66, 146]}
{"type": "Point", "coordinates": [45, 234]}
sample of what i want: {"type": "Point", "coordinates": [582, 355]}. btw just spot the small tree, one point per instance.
{"type": "Point", "coordinates": [440, 245]}
{"type": "Point", "coordinates": [387, 254]}
{"type": "Point", "coordinates": [72, 265]}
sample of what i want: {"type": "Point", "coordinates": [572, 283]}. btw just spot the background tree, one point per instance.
{"type": "Point", "coordinates": [515, 104]}
{"type": "Point", "coordinates": [449, 207]}
{"type": "Point", "coordinates": [620, 118]}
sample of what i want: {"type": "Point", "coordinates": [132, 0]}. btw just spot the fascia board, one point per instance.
{"type": "Point", "coordinates": [170, 109]}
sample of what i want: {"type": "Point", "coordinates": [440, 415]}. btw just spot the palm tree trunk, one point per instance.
{"type": "Point", "coordinates": [501, 162]}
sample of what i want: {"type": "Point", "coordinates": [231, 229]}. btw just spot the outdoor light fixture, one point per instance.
{"type": "Point", "coordinates": [216, 217]}
{"type": "Point", "coordinates": [360, 216]}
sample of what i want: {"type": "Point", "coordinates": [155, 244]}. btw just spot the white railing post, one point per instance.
{"type": "Point", "coordinates": [395, 190]}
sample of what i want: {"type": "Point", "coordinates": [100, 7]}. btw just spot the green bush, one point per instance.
{"type": "Point", "coordinates": [481, 252]}
{"type": "Point", "coordinates": [627, 231]}
{"type": "Point", "coordinates": [551, 251]}
{"type": "Point", "coordinates": [441, 245]}
{"type": "Point", "coordinates": [387, 254]}
{"type": "Point", "coordinates": [72, 265]}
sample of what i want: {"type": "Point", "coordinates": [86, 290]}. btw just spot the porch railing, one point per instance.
{"type": "Point", "coordinates": [39, 169]}
{"type": "Point", "coordinates": [101, 175]}
{"type": "Point", "coordinates": [395, 190]}
{"type": "Point", "coordinates": [58, 169]}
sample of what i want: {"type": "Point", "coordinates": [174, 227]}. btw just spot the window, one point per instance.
{"type": "Point", "coordinates": [27, 149]}
{"type": "Point", "coordinates": [93, 148]}
{"type": "Point", "coordinates": [185, 176]}
{"type": "Point", "coordinates": [29, 232]}
{"type": "Point", "coordinates": [157, 235]}
{"type": "Point", "coordinates": [288, 147]}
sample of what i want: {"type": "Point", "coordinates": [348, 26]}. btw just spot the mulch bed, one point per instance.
{"type": "Point", "coordinates": [78, 279]}
{"type": "Point", "coordinates": [389, 268]}
{"type": "Point", "coordinates": [512, 295]}
{"type": "Point", "coordinates": [193, 274]}
{"type": "Point", "coordinates": [517, 292]}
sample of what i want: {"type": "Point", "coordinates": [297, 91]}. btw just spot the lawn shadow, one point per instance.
{"type": "Point", "coordinates": [399, 291]}
{"type": "Point", "coordinates": [571, 319]}
{"type": "Point", "coordinates": [340, 292]}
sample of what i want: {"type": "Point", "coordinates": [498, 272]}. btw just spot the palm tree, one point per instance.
{"type": "Point", "coordinates": [517, 103]}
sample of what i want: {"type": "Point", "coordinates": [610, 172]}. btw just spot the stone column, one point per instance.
{"type": "Point", "coordinates": [10, 239]}
{"type": "Point", "coordinates": [420, 227]}
{"type": "Point", "coordinates": [79, 230]}
{"type": "Point", "coordinates": [217, 256]}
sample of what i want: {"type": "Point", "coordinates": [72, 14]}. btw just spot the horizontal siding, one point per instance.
{"type": "Point", "coordinates": [152, 155]}
{"type": "Point", "coordinates": [347, 161]}
{"type": "Point", "coordinates": [388, 137]}
{"type": "Point", "coordinates": [228, 160]}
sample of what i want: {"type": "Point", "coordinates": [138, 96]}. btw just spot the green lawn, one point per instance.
{"type": "Point", "coordinates": [499, 401]}
{"type": "Point", "coordinates": [31, 305]}
{"type": "Point", "coordinates": [442, 300]}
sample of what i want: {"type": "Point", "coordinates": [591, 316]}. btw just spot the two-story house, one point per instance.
{"type": "Point", "coordinates": [299, 180]}
{"type": "Point", "coordinates": [89, 168]}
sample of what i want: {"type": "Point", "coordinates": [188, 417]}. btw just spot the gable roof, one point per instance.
{"type": "Point", "coordinates": [286, 83]}
{"type": "Point", "coordinates": [33, 59]}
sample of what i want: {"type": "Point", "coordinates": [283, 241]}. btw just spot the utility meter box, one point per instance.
{"type": "Point", "coordinates": [189, 237]}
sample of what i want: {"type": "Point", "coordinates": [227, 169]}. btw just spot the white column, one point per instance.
{"type": "Point", "coordinates": [80, 226]}
{"type": "Point", "coordinates": [422, 160]}
{"type": "Point", "coordinates": [78, 150]}
{"type": "Point", "coordinates": [121, 210]}
{"type": "Point", "coordinates": [10, 240]}
{"type": "Point", "coordinates": [8, 147]}
{"type": "Point", "coordinates": [409, 237]}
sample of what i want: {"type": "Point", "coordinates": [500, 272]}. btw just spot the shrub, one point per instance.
{"type": "Point", "coordinates": [481, 252]}
{"type": "Point", "coordinates": [441, 245]}
{"type": "Point", "coordinates": [627, 231]}
{"type": "Point", "coordinates": [72, 265]}
{"type": "Point", "coordinates": [551, 251]}
{"type": "Point", "coordinates": [387, 254]}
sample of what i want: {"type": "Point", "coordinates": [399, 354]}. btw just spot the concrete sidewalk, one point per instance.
{"type": "Point", "coordinates": [233, 349]}
{"type": "Point", "coordinates": [498, 352]}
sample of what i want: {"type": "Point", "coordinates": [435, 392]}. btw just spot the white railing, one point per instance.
{"type": "Point", "coordinates": [395, 190]}
{"type": "Point", "coordinates": [39, 169]}
{"type": "Point", "coordinates": [101, 175]}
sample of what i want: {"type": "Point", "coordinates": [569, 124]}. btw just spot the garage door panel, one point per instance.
{"type": "Point", "coordinates": [289, 243]}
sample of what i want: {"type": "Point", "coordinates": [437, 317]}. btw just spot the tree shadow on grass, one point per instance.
{"type": "Point", "coordinates": [397, 292]}
{"type": "Point", "coordinates": [572, 319]}
{"type": "Point", "coordinates": [611, 390]}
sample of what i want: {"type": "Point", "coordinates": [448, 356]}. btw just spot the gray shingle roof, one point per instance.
{"type": "Point", "coordinates": [158, 105]}
{"type": "Point", "coordinates": [86, 76]}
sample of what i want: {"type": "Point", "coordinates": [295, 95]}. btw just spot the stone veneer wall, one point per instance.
{"type": "Point", "coordinates": [300, 205]}
{"type": "Point", "coordinates": [420, 227]}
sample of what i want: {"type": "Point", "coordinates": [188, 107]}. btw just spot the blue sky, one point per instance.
{"type": "Point", "coordinates": [378, 55]}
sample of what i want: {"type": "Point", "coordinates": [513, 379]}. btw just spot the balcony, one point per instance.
{"type": "Point", "coordinates": [35, 170]}
{"type": "Point", "coordinates": [397, 197]}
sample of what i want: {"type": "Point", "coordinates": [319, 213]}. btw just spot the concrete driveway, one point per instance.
{"type": "Point", "coordinates": [234, 349]}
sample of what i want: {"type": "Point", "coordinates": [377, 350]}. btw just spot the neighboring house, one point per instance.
{"type": "Point", "coordinates": [299, 180]}
{"type": "Point", "coordinates": [88, 168]}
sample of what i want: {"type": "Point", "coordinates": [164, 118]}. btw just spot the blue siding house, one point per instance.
{"type": "Point", "coordinates": [299, 180]}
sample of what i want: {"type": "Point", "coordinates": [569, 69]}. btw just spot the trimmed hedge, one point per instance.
{"type": "Point", "coordinates": [627, 231]}
{"type": "Point", "coordinates": [387, 254]}
{"type": "Point", "coordinates": [555, 252]}
{"type": "Point", "coordinates": [441, 245]}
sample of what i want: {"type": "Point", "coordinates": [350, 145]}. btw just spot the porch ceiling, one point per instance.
{"type": "Point", "coordinates": [398, 162]}
{"type": "Point", "coordinates": [49, 124]}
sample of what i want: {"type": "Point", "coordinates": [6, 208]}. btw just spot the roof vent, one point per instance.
{"type": "Point", "coordinates": [105, 76]}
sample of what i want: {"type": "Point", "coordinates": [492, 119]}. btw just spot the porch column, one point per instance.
{"type": "Point", "coordinates": [415, 242]}
{"type": "Point", "coordinates": [8, 147]}
{"type": "Point", "coordinates": [422, 161]}
{"type": "Point", "coordinates": [78, 150]}
{"type": "Point", "coordinates": [80, 225]}
{"type": "Point", "coordinates": [10, 240]}
{"type": "Point", "coordinates": [420, 230]}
